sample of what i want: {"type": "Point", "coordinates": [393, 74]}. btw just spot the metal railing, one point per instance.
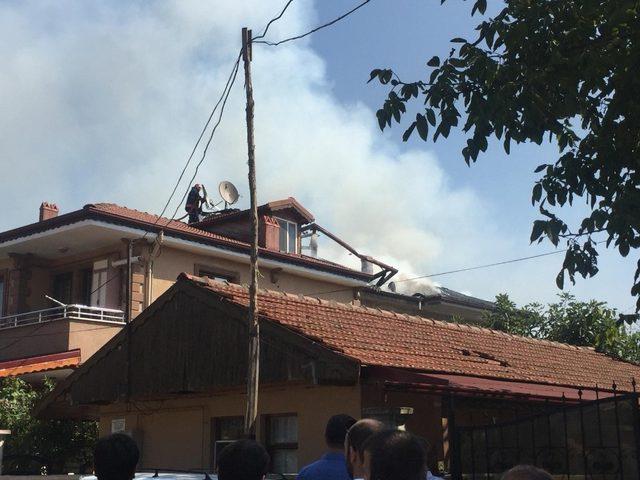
{"type": "Point", "coordinates": [70, 312]}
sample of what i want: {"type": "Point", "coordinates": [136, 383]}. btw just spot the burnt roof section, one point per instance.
{"type": "Point", "coordinates": [445, 295]}
{"type": "Point", "coordinates": [118, 215]}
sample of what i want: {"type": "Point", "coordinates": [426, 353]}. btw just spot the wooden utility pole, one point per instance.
{"type": "Point", "coordinates": [253, 376]}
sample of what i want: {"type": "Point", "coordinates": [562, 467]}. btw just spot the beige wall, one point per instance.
{"type": "Point", "coordinates": [90, 336]}
{"type": "Point", "coordinates": [172, 262]}
{"type": "Point", "coordinates": [54, 337]}
{"type": "Point", "coordinates": [176, 434]}
{"type": "Point", "coordinates": [31, 340]}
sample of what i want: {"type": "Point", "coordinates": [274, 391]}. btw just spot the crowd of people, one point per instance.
{"type": "Point", "coordinates": [356, 450]}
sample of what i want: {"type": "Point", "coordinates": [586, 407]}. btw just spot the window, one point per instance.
{"type": "Point", "coordinates": [225, 430]}
{"type": "Point", "coordinates": [63, 287]}
{"type": "Point", "coordinates": [288, 236]}
{"type": "Point", "coordinates": [282, 442]}
{"type": "Point", "coordinates": [86, 279]}
{"type": "Point", "coordinates": [99, 284]}
{"type": "Point", "coordinates": [216, 274]}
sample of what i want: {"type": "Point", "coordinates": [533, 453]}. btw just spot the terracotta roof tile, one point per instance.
{"type": "Point", "coordinates": [40, 363]}
{"type": "Point", "coordinates": [382, 338]}
{"type": "Point", "coordinates": [178, 226]}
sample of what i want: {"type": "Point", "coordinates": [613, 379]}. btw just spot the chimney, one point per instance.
{"type": "Point", "coordinates": [48, 210]}
{"type": "Point", "coordinates": [269, 233]}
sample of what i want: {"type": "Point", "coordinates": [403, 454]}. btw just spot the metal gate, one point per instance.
{"type": "Point", "coordinates": [596, 440]}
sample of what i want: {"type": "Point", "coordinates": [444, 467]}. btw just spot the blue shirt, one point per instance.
{"type": "Point", "coordinates": [331, 466]}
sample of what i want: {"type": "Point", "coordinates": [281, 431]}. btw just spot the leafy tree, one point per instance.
{"type": "Point", "coordinates": [587, 324]}
{"type": "Point", "coordinates": [56, 445]}
{"type": "Point", "coordinates": [566, 70]}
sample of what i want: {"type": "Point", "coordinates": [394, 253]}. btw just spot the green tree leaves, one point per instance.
{"type": "Point", "coordinates": [564, 71]}
{"type": "Point", "coordinates": [589, 324]}
{"type": "Point", "coordinates": [58, 443]}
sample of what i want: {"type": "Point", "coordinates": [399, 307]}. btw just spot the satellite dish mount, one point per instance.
{"type": "Point", "coordinates": [228, 192]}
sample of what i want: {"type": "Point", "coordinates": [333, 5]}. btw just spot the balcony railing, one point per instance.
{"type": "Point", "coordinates": [69, 312]}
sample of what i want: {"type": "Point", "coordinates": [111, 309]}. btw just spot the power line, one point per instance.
{"type": "Point", "coordinates": [302, 35]}
{"type": "Point", "coordinates": [478, 267]}
{"type": "Point", "coordinates": [459, 270]}
{"type": "Point", "coordinates": [274, 19]}
{"type": "Point", "coordinates": [221, 102]}
{"type": "Point", "coordinates": [225, 96]}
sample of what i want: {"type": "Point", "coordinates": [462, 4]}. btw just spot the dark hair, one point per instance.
{"type": "Point", "coordinates": [395, 455]}
{"type": "Point", "coordinates": [337, 428]}
{"type": "Point", "coordinates": [115, 457]}
{"type": "Point", "coordinates": [243, 460]}
{"type": "Point", "coordinates": [358, 434]}
{"type": "Point", "coordinates": [526, 472]}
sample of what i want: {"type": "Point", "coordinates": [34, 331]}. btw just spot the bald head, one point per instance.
{"type": "Point", "coordinates": [526, 472]}
{"type": "Point", "coordinates": [354, 442]}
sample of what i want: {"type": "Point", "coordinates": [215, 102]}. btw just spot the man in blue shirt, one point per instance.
{"type": "Point", "coordinates": [332, 465]}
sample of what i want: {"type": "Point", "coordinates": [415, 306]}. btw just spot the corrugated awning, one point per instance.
{"type": "Point", "coordinates": [40, 363]}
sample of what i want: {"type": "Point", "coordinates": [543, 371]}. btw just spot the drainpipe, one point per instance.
{"type": "Point", "coordinates": [149, 282]}
{"type": "Point", "coordinates": [3, 433]}
{"type": "Point", "coordinates": [129, 282]}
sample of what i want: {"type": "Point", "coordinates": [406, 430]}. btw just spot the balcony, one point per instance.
{"type": "Point", "coordinates": [63, 312]}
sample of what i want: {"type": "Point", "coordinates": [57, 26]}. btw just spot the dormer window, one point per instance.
{"type": "Point", "coordinates": [288, 236]}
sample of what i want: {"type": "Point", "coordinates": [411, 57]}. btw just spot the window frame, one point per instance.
{"type": "Point", "coordinates": [272, 447]}
{"type": "Point", "coordinates": [216, 436]}
{"type": "Point", "coordinates": [284, 225]}
{"type": "Point", "coordinates": [216, 273]}
{"type": "Point", "coordinates": [55, 276]}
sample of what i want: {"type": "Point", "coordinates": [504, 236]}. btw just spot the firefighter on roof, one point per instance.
{"type": "Point", "coordinates": [194, 203]}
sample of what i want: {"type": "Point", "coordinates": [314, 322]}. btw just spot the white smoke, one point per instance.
{"type": "Point", "coordinates": [102, 101]}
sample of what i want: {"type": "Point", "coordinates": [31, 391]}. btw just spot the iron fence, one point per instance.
{"type": "Point", "coordinates": [595, 440]}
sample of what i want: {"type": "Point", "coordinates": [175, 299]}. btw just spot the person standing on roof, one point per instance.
{"type": "Point", "coordinates": [332, 465]}
{"type": "Point", "coordinates": [194, 203]}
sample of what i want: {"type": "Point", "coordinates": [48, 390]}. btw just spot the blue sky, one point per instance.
{"type": "Point", "coordinates": [102, 102]}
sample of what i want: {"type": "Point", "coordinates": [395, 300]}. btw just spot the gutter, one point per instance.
{"type": "Point", "coordinates": [172, 238]}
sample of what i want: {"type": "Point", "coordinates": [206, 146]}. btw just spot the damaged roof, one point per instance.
{"type": "Point", "coordinates": [382, 338]}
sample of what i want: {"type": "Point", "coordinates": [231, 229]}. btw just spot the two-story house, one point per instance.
{"type": "Point", "coordinates": [67, 286]}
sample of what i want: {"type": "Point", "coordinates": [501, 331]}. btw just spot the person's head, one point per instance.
{"type": "Point", "coordinates": [526, 472]}
{"type": "Point", "coordinates": [197, 186]}
{"type": "Point", "coordinates": [336, 430]}
{"type": "Point", "coordinates": [354, 442]}
{"type": "Point", "coordinates": [243, 460]}
{"type": "Point", "coordinates": [394, 455]}
{"type": "Point", "coordinates": [115, 457]}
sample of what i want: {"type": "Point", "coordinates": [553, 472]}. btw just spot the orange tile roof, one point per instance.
{"type": "Point", "coordinates": [381, 338]}
{"type": "Point", "coordinates": [151, 222]}
{"type": "Point", "coordinates": [177, 226]}
{"type": "Point", "coordinates": [40, 363]}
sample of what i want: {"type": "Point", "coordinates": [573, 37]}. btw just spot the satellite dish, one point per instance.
{"type": "Point", "coordinates": [228, 192]}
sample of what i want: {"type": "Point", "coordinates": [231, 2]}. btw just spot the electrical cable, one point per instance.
{"type": "Point", "coordinates": [466, 269]}
{"type": "Point", "coordinates": [195, 147]}
{"type": "Point", "coordinates": [320, 27]}
{"type": "Point", "coordinates": [274, 19]}
{"type": "Point", "coordinates": [230, 82]}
